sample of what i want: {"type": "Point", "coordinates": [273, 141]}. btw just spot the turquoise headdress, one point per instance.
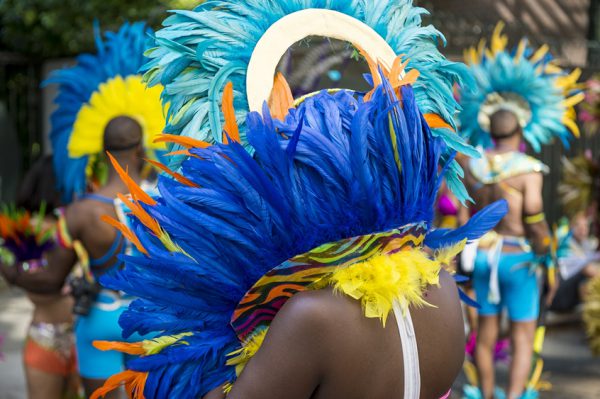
{"type": "Point", "coordinates": [98, 88]}
{"type": "Point", "coordinates": [526, 82]}
{"type": "Point", "coordinates": [199, 51]}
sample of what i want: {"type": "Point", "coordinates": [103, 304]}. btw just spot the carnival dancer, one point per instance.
{"type": "Point", "coordinates": [520, 96]}
{"type": "Point", "coordinates": [49, 349]}
{"type": "Point", "coordinates": [103, 106]}
{"type": "Point", "coordinates": [286, 257]}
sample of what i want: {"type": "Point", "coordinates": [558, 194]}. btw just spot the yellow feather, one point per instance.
{"type": "Point", "coordinates": [574, 100]}
{"type": "Point", "coordinates": [446, 255]}
{"type": "Point", "coordinates": [117, 97]}
{"type": "Point", "coordinates": [540, 53]}
{"type": "Point", "coordinates": [239, 358]}
{"type": "Point", "coordinates": [499, 40]}
{"type": "Point", "coordinates": [572, 126]}
{"type": "Point", "coordinates": [382, 279]}
{"type": "Point", "coordinates": [156, 345]}
{"type": "Point", "coordinates": [471, 373]}
{"type": "Point", "coordinates": [520, 50]}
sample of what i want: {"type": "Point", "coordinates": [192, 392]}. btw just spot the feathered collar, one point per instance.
{"type": "Point", "coordinates": [375, 269]}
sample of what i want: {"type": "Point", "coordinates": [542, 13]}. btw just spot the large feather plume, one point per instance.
{"type": "Point", "coordinates": [199, 51]}
{"type": "Point", "coordinates": [120, 54]}
{"type": "Point", "coordinates": [336, 167]}
{"type": "Point", "coordinates": [547, 92]}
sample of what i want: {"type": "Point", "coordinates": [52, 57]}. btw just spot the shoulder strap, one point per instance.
{"type": "Point", "coordinates": [65, 240]}
{"type": "Point", "coordinates": [410, 353]}
{"type": "Point", "coordinates": [111, 252]}
{"type": "Point", "coordinates": [99, 198]}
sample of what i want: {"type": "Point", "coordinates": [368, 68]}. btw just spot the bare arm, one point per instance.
{"type": "Point", "coordinates": [536, 226]}
{"type": "Point", "coordinates": [48, 279]}
{"type": "Point", "coordinates": [281, 369]}
{"type": "Point", "coordinates": [535, 223]}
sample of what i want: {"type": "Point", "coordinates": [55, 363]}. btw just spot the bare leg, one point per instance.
{"type": "Point", "coordinates": [90, 385]}
{"type": "Point", "coordinates": [42, 385]}
{"type": "Point", "coordinates": [487, 335]}
{"type": "Point", "coordinates": [522, 336]}
{"type": "Point", "coordinates": [471, 312]}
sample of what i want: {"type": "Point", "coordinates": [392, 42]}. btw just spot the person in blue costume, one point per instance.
{"type": "Point", "coordinates": [291, 253]}
{"type": "Point", "coordinates": [103, 108]}
{"type": "Point", "coordinates": [504, 275]}
{"type": "Point", "coordinates": [97, 247]}
{"type": "Point", "coordinates": [520, 96]}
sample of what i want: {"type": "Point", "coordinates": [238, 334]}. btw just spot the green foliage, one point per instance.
{"type": "Point", "coordinates": [56, 28]}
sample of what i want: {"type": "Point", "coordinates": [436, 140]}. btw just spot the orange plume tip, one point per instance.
{"type": "Point", "coordinates": [183, 141]}
{"type": "Point", "coordinates": [436, 122]}
{"type": "Point", "coordinates": [177, 176]}
{"type": "Point", "coordinates": [142, 215]}
{"type": "Point", "coordinates": [231, 127]}
{"type": "Point", "coordinates": [126, 232]}
{"type": "Point", "coordinates": [133, 381]}
{"type": "Point", "coordinates": [185, 152]}
{"type": "Point", "coordinates": [136, 192]}
{"type": "Point", "coordinates": [124, 347]}
{"type": "Point", "coordinates": [281, 100]}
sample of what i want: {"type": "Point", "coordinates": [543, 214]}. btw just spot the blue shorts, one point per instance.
{"type": "Point", "coordinates": [519, 289]}
{"type": "Point", "coordinates": [101, 324]}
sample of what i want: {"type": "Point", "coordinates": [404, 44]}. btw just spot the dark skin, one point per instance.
{"type": "Point", "coordinates": [338, 353]}
{"type": "Point", "coordinates": [524, 196]}
{"type": "Point", "coordinates": [84, 223]}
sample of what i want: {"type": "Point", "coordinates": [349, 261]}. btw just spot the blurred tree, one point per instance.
{"type": "Point", "coordinates": [57, 28]}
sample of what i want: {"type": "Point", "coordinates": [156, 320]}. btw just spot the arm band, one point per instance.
{"type": "Point", "coordinates": [533, 219]}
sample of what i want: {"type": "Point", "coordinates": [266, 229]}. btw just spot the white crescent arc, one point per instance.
{"type": "Point", "coordinates": [298, 26]}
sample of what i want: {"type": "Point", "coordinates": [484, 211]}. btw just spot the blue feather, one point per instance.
{"type": "Point", "coordinates": [119, 54]}
{"type": "Point", "coordinates": [482, 222]}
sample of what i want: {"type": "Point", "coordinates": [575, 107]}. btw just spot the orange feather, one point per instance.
{"type": "Point", "coordinates": [136, 192]}
{"type": "Point", "coordinates": [134, 382]}
{"type": "Point", "coordinates": [185, 152]}
{"type": "Point", "coordinates": [134, 348]}
{"type": "Point", "coordinates": [141, 214]}
{"type": "Point", "coordinates": [177, 176]}
{"type": "Point", "coordinates": [183, 141]}
{"type": "Point", "coordinates": [126, 232]}
{"type": "Point", "coordinates": [281, 100]}
{"type": "Point", "coordinates": [231, 126]}
{"type": "Point", "coordinates": [436, 122]}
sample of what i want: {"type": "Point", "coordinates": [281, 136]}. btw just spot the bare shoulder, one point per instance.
{"type": "Point", "coordinates": [85, 214]}
{"type": "Point", "coordinates": [318, 309]}
{"type": "Point", "coordinates": [446, 292]}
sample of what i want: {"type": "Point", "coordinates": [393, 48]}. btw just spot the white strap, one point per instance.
{"type": "Point", "coordinates": [410, 353]}
{"type": "Point", "coordinates": [494, 262]}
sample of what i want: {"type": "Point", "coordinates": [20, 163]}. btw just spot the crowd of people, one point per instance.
{"type": "Point", "coordinates": [309, 247]}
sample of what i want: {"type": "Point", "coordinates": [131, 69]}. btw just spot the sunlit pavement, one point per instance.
{"type": "Point", "coordinates": [570, 367]}
{"type": "Point", "coordinates": [15, 311]}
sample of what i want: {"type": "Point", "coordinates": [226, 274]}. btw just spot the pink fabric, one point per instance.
{"type": "Point", "coordinates": [446, 206]}
{"type": "Point", "coordinates": [446, 396]}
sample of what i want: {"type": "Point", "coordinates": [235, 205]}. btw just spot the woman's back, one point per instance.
{"type": "Point", "coordinates": [338, 353]}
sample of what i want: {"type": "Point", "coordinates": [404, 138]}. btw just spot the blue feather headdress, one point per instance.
{"type": "Point", "coordinates": [336, 167]}
{"type": "Point", "coordinates": [525, 82]}
{"type": "Point", "coordinates": [199, 51]}
{"type": "Point", "coordinates": [98, 88]}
